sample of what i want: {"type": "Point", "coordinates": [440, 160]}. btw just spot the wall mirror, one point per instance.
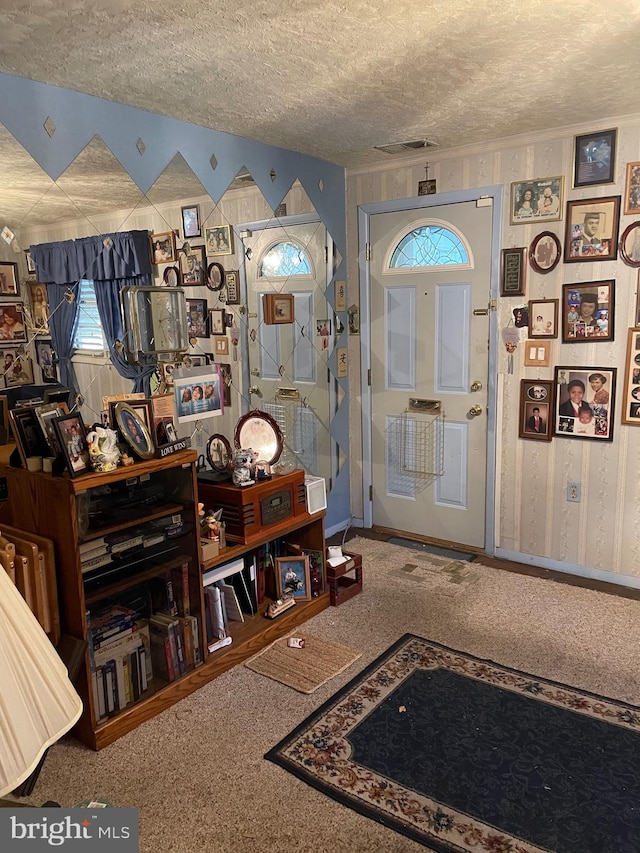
{"type": "Point", "coordinates": [291, 254]}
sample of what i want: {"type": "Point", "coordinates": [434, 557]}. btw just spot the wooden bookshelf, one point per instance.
{"type": "Point", "coordinates": [56, 507]}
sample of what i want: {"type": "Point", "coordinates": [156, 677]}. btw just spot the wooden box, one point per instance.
{"type": "Point", "coordinates": [345, 580]}
{"type": "Point", "coordinates": [249, 512]}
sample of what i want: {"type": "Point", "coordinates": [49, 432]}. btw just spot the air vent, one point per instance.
{"type": "Point", "coordinates": [403, 147]}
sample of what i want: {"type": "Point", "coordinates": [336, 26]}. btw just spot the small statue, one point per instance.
{"type": "Point", "coordinates": [211, 524]}
{"type": "Point", "coordinates": [243, 463]}
{"type": "Point", "coordinates": [104, 454]}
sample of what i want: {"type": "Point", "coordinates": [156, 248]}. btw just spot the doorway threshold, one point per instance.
{"type": "Point", "coordinates": [431, 549]}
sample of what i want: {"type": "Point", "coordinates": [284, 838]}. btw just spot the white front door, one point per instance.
{"type": "Point", "coordinates": [287, 358]}
{"type": "Point", "coordinates": [429, 355]}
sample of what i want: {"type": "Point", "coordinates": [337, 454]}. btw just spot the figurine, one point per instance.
{"type": "Point", "coordinates": [211, 524]}
{"type": "Point", "coordinates": [104, 454]}
{"type": "Point", "coordinates": [243, 462]}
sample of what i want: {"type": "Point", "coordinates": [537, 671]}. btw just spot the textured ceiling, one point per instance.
{"type": "Point", "coordinates": [334, 78]}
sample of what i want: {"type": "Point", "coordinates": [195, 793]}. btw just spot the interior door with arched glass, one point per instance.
{"type": "Point", "coordinates": [430, 275]}
{"type": "Point", "coordinates": [290, 338]}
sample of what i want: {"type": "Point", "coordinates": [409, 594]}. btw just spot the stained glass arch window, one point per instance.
{"type": "Point", "coordinates": [432, 244]}
{"type": "Point", "coordinates": [283, 260]}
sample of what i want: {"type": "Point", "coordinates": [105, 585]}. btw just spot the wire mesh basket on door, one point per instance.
{"type": "Point", "coordinates": [415, 448]}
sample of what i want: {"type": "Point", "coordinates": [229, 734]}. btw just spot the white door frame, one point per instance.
{"type": "Point", "coordinates": [494, 197]}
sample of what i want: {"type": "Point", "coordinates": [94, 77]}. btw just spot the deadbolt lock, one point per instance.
{"type": "Point", "coordinates": [475, 410]}
{"type": "Point", "coordinates": [476, 386]}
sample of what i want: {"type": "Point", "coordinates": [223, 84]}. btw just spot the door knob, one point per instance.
{"type": "Point", "coordinates": [476, 386]}
{"type": "Point", "coordinates": [475, 410]}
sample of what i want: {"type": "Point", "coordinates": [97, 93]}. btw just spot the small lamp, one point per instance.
{"type": "Point", "coordinates": [38, 702]}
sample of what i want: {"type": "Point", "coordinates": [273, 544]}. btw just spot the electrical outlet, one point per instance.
{"type": "Point", "coordinates": [574, 492]}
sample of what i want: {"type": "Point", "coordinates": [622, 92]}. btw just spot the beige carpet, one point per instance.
{"type": "Point", "coordinates": [303, 669]}
{"type": "Point", "coordinates": [197, 774]}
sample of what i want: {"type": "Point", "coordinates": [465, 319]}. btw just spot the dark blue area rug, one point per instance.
{"type": "Point", "coordinates": [466, 756]}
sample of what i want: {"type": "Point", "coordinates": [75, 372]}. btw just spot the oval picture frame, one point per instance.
{"type": "Point", "coordinates": [260, 432]}
{"type": "Point", "coordinates": [215, 276]}
{"type": "Point", "coordinates": [545, 252]}
{"type": "Point", "coordinates": [630, 249]}
{"type": "Point", "coordinates": [219, 453]}
{"type": "Point", "coordinates": [134, 430]}
{"type": "Point", "coordinates": [171, 277]}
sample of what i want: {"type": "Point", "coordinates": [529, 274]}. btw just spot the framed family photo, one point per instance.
{"type": "Point", "coordinates": [591, 231]}
{"type": "Point", "coordinates": [594, 158]}
{"type": "Point", "coordinates": [631, 391]}
{"type": "Point", "coordinates": [585, 402]}
{"type": "Point", "coordinates": [543, 318]}
{"type": "Point", "coordinates": [197, 318]}
{"type": "Point", "coordinates": [513, 272]}
{"type": "Point", "coordinates": [292, 577]}
{"type": "Point", "coordinates": [545, 252]}
{"type": "Point", "coordinates": [163, 247]}
{"type": "Point", "coordinates": [219, 240]}
{"type": "Point", "coordinates": [536, 409]}
{"type": "Point", "coordinates": [540, 199]}
{"type": "Point", "coordinates": [46, 361]}
{"type": "Point", "coordinates": [588, 311]}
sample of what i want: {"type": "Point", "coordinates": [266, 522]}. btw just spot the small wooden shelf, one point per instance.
{"type": "Point", "coordinates": [152, 514]}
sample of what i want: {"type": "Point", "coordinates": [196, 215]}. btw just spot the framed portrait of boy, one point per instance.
{"type": "Point", "coordinates": [536, 409]}
{"type": "Point", "coordinates": [292, 577]}
{"type": "Point", "coordinates": [591, 230]}
{"type": "Point", "coordinates": [585, 402]}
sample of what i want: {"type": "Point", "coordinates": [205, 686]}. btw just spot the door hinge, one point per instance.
{"type": "Point", "coordinates": [370, 493]}
{"type": "Point", "coordinates": [367, 252]}
{"type": "Point", "coordinates": [369, 377]}
{"type": "Point", "coordinates": [326, 254]}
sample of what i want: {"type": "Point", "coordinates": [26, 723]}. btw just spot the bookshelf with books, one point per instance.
{"type": "Point", "coordinates": [132, 583]}
{"type": "Point", "coordinates": [128, 561]}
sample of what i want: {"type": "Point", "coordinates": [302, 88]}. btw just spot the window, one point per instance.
{"type": "Point", "coordinates": [88, 335]}
{"type": "Point", "coordinates": [283, 260]}
{"type": "Point", "coordinates": [430, 246]}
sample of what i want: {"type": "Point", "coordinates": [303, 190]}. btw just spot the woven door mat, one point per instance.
{"type": "Point", "coordinates": [307, 669]}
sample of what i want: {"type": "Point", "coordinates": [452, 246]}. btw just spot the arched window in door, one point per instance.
{"type": "Point", "coordinates": [431, 244]}
{"type": "Point", "coordinates": [283, 260]}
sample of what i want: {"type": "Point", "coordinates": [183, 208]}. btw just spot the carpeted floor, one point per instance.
{"type": "Point", "coordinates": [197, 771]}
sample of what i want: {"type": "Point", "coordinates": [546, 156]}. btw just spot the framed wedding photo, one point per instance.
{"type": "Point", "coordinates": [585, 402]}
{"type": "Point", "coordinates": [191, 221]}
{"type": "Point", "coordinates": [591, 230]}
{"type": "Point", "coordinates": [513, 272]}
{"type": "Point", "coordinates": [632, 189]}
{"type": "Point", "coordinates": [545, 252]}
{"type": "Point", "coordinates": [594, 158]}
{"type": "Point", "coordinates": [543, 318]}
{"type": "Point", "coordinates": [631, 391]}
{"type": "Point", "coordinates": [540, 199]}
{"type": "Point", "coordinates": [588, 311]}
{"type": "Point", "coordinates": [536, 409]}
{"type": "Point", "coordinates": [630, 245]}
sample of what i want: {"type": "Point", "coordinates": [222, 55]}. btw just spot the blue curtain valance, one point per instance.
{"type": "Point", "coordinates": [107, 257]}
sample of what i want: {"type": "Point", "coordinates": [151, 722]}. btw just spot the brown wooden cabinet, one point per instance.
{"type": "Point", "coordinates": [73, 513]}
